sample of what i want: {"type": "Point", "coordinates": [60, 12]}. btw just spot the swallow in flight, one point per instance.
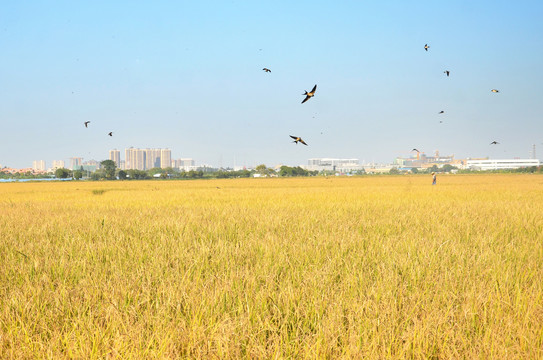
{"type": "Point", "coordinates": [309, 95]}
{"type": "Point", "coordinates": [298, 139]}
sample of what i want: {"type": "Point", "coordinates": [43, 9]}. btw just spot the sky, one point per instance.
{"type": "Point", "coordinates": [187, 75]}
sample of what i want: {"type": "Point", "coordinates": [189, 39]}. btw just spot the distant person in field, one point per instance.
{"type": "Point", "coordinates": [434, 178]}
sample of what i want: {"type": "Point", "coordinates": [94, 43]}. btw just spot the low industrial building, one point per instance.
{"type": "Point", "coordinates": [330, 164]}
{"type": "Point", "coordinates": [501, 164]}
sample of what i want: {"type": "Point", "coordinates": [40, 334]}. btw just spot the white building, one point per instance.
{"type": "Point", "coordinates": [38, 165]}
{"type": "Point", "coordinates": [185, 164]}
{"type": "Point", "coordinates": [115, 156]}
{"type": "Point", "coordinates": [58, 164]}
{"type": "Point", "coordinates": [499, 164]}
{"type": "Point", "coordinates": [329, 164]}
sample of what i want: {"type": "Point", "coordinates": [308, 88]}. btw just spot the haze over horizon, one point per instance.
{"type": "Point", "coordinates": [188, 76]}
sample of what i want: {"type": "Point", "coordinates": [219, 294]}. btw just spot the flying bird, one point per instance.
{"type": "Point", "coordinates": [426, 47]}
{"type": "Point", "coordinates": [297, 138]}
{"type": "Point", "coordinates": [267, 70]}
{"type": "Point", "coordinates": [110, 133]}
{"type": "Point", "coordinates": [494, 143]}
{"type": "Point", "coordinates": [416, 150]}
{"type": "Point", "coordinates": [86, 123]}
{"type": "Point", "coordinates": [441, 112]}
{"type": "Point", "coordinates": [309, 95]}
{"type": "Point", "coordinates": [495, 91]}
{"type": "Point", "coordinates": [447, 72]}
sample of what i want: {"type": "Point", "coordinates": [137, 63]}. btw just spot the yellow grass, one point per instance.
{"type": "Point", "coordinates": [374, 267]}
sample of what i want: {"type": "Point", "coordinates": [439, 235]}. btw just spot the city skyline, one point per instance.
{"type": "Point", "coordinates": [188, 76]}
{"type": "Point", "coordinates": [148, 158]}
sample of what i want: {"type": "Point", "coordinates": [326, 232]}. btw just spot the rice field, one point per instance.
{"type": "Point", "coordinates": [362, 267]}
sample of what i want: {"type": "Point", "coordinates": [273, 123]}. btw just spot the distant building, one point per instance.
{"type": "Point", "coordinates": [501, 164]}
{"type": "Point", "coordinates": [377, 169]}
{"type": "Point", "coordinates": [146, 159]}
{"type": "Point", "coordinates": [183, 164]}
{"type": "Point", "coordinates": [58, 164]}
{"type": "Point", "coordinates": [38, 165]}
{"type": "Point", "coordinates": [135, 159]}
{"type": "Point", "coordinates": [75, 163]}
{"type": "Point", "coordinates": [421, 160]}
{"type": "Point", "coordinates": [152, 158]}
{"type": "Point", "coordinates": [165, 158]}
{"type": "Point", "coordinates": [115, 156]}
{"type": "Point", "coordinates": [88, 167]}
{"type": "Point", "coordinates": [128, 162]}
{"type": "Point", "coordinates": [330, 164]}
{"type": "Point", "coordinates": [91, 163]}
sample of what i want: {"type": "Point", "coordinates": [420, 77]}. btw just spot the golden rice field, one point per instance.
{"type": "Point", "coordinates": [369, 267]}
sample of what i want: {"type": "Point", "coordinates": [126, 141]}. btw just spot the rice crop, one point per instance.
{"type": "Point", "coordinates": [360, 267]}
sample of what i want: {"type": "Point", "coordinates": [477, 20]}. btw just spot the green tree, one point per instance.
{"type": "Point", "coordinates": [195, 174]}
{"type": "Point", "coordinates": [261, 169]}
{"type": "Point", "coordinates": [285, 171]}
{"type": "Point", "coordinates": [432, 169]}
{"type": "Point", "coordinates": [78, 174]}
{"type": "Point", "coordinates": [448, 168]}
{"type": "Point", "coordinates": [264, 170]}
{"type": "Point", "coordinates": [62, 173]}
{"type": "Point", "coordinates": [137, 174]}
{"type": "Point", "coordinates": [109, 167]}
{"type": "Point", "coordinates": [122, 175]}
{"type": "Point", "coordinates": [394, 171]}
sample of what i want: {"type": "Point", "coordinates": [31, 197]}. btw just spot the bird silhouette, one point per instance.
{"type": "Point", "coordinates": [309, 95]}
{"type": "Point", "coordinates": [267, 70]}
{"type": "Point", "coordinates": [416, 150]}
{"type": "Point", "coordinates": [298, 139]}
{"type": "Point", "coordinates": [110, 133]}
{"type": "Point", "coordinates": [86, 123]}
{"type": "Point", "coordinates": [447, 72]}
{"type": "Point", "coordinates": [494, 143]}
{"type": "Point", "coordinates": [426, 47]}
{"type": "Point", "coordinates": [441, 112]}
{"type": "Point", "coordinates": [495, 91]}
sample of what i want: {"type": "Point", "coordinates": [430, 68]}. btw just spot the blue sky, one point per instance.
{"type": "Point", "coordinates": [188, 76]}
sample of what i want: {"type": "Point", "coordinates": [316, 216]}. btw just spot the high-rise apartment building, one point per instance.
{"type": "Point", "coordinates": [115, 155]}
{"type": "Point", "coordinates": [145, 159]}
{"type": "Point", "coordinates": [134, 159]}
{"type": "Point", "coordinates": [75, 163]}
{"type": "Point", "coordinates": [58, 164]}
{"type": "Point", "coordinates": [165, 158]}
{"type": "Point", "coordinates": [152, 158]}
{"type": "Point", "coordinates": [128, 158]}
{"type": "Point", "coordinates": [38, 165]}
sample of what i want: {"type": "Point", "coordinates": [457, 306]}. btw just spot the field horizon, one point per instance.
{"type": "Point", "coordinates": [335, 267]}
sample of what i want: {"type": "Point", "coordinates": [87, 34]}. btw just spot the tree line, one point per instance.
{"type": "Point", "coordinates": [109, 171]}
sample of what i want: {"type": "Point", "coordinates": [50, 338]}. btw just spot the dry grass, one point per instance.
{"type": "Point", "coordinates": [374, 267]}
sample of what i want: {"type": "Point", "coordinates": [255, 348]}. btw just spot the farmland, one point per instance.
{"type": "Point", "coordinates": [375, 267]}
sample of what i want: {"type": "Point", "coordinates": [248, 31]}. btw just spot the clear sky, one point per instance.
{"type": "Point", "coordinates": [187, 75]}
